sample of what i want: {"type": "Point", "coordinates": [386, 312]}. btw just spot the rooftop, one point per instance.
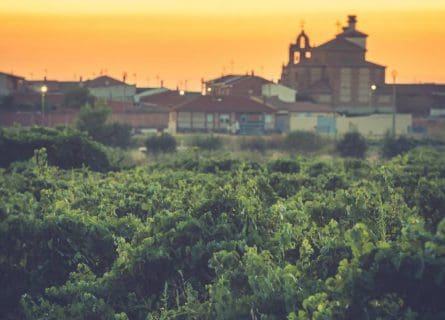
{"type": "Point", "coordinates": [226, 104]}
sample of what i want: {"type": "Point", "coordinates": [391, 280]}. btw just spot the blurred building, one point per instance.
{"type": "Point", "coordinates": [235, 85]}
{"type": "Point", "coordinates": [10, 84]}
{"type": "Point", "coordinates": [108, 88]}
{"type": "Point", "coordinates": [337, 73]}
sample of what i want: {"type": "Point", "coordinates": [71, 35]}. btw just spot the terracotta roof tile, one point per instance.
{"type": "Point", "coordinates": [299, 106]}
{"type": "Point", "coordinates": [225, 104]}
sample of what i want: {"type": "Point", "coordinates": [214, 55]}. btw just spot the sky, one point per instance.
{"type": "Point", "coordinates": [181, 42]}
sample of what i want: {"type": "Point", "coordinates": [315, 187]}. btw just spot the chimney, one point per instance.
{"type": "Point", "coordinates": [352, 21]}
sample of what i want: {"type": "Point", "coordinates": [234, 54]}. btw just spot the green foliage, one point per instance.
{"type": "Point", "coordinates": [94, 121]}
{"type": "Point", "coordinates": [65, 147]}
{"type": "Point", "coordinates": [303, 141]}
{"type": "Point", "coordinates": [395, 146]}
{"type": "Point", "coordinates": [207, 142]}
{"type": "Point", "coordinates": [257, 144]}
{"type": "Point", "coordinates": [164, 143]}
{"type": "Point", "coordinates": [78, 97]}
{"type": "Point", "coordinates": [284, 166]}
{"type": "Point", "coordinates": [353, 144]}
{"type": "Point", "coordinates": [196, 237]}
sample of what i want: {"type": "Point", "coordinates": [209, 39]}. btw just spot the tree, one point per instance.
{"type": "Point", "coordinates": [396, 146]}
{"type": "Point", "coordinates": [93, 120]}
{"type": "Point", "coordinates": [353, 145]}
{"type": "Point", "coordinates": [78, 97]}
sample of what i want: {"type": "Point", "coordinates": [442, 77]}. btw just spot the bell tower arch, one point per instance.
{"type": "Point", "coordinates": [300, 50]}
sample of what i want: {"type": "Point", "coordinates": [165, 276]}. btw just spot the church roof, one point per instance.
{"type": "Point", "coordinates": [340, 44]}
{"type": "Point", "coordinates": [352, 34]}
{"type": "Point", "coordinates": [343, 63]}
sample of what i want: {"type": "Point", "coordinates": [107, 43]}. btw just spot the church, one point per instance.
{"type": "Point", "coordinates": [337, 73]}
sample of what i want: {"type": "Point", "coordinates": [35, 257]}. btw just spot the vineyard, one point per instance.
{"type": "Point", "coordinates": [201, 237]}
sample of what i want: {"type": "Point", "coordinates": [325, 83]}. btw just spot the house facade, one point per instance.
{"type": "Point", "coordinates": [235, 85]}
{"type": "Point", "coordinates": [10, 84]}
{"type": "Point", "coordinates": [108, 88]}
{"type": "Point", "coordinates": [225, 114]}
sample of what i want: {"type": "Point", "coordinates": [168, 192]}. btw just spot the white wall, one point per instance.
{"type": "Point", "coordinates": [304, 121]}
{"type": "Point", "coordinates": [374, 125]}
{"type": "Point", "coordinates": [284, 93]}
{"type": "Point", "coordinates": [117, 93]}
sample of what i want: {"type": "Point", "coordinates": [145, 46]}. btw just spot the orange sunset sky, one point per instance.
{"type": "Point", "coordinates": [183, 41]}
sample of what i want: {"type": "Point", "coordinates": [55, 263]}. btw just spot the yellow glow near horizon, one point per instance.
{"type": "Point", "coordinates": [210, 6]}
{"type": "Point", "coordinates": [198, 39]}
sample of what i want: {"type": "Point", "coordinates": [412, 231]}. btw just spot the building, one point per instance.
{"type": "Point", "coordinates": [300, 115]}
{"type": "Point", "coordinates": [108, 88]}
{"type": "Point", "coordinates": [10, 84]}
{"type": "Point", "coordinates": [235, 85]}
{"type": "Point", "coordinates": [225, 114]}
{"type": "Point", "coordinates": [282, 93]}
{"type": "Point", "coordinates": [337, 73]}
{"type": "Point", "coordinates": [375, 125]}
{"type": "Point", "coordinates": [420, 99]}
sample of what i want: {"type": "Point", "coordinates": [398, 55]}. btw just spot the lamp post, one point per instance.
{"type": "Point", "coordinates": [43, 90]}
{"type": "Point", "coordinates": [394, 106]}
{"type": "Point", "coordinates": [371, 95]}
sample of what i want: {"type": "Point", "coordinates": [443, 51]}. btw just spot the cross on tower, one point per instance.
{"type": "Point", "coordinates": [302, 23]}
{"type": "Point", "coordinates": [338, 24]}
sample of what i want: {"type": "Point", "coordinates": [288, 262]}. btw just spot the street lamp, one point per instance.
{"type": "Point", "coordinates": [394, 106]}
{"type": "Point", "coordinates": [43, 90]}
{"type": "Point", "coordinates": [371, 95]}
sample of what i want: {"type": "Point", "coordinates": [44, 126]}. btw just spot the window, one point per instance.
{"type": "Point", "coordinates": [308, 55]}
{"type": "Point", "coordinates": [209, 117]}
{"type": "Point", "coordinates": [224, 118]}
{"type": "Point", "coordinates": [302, 42]}
{"type": "Point", "coordinates": [296, 57]}
{"type": "Point", "coordinates": [268, 118]}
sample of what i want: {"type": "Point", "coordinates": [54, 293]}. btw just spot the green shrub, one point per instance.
{"type": "Point", "coordinates": [66, 148]}
{"type": "Point", "coordinates": [94, 121]}
{"type": "Point", "coordinates": [165, 143]}
{"type": "Point", "coordinates": [396, 146]}
{"type": "Point", "coordinates": [207, 142]}
{"type": "Point", "coordinates": [284, 166]}
{"type": "Point", "coordinates": [78, 97]}
{"type": "Point", "coordinates": [257, 144]}
{"type": "Point", "coordinates": [352, 145]}
{"type": "Point", "coordinates": [303, 141]}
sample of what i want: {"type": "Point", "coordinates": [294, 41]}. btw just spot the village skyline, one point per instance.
{"type": "Point", "coordinates": [180, 47]}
